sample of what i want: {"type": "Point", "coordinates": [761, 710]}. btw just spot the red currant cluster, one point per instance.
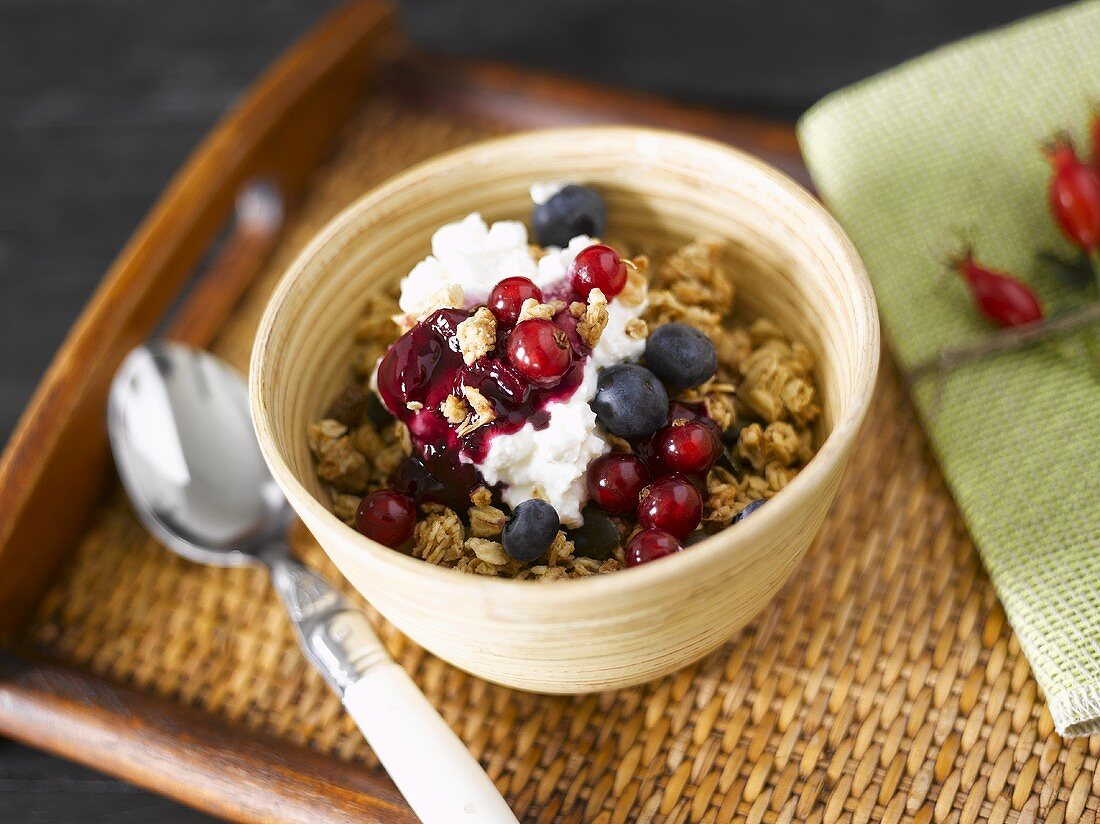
{"type": "Point", "coordinates": [660, 485]}
{"type": "Point", "coordinates": [1074, 198]}
{"type": "Point", "coordinates": [538, 348]}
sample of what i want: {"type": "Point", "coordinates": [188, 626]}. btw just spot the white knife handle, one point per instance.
{"type": "Point", "coordinates": [431, 767]}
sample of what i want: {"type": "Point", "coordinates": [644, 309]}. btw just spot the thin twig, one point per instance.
{"type": "Point", "coordinates": [1007, 340]}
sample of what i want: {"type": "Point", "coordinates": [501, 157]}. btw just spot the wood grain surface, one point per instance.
{"type": "Point", "coordinates": [38, 787]}
{"type": "Point", "coordinates": [771, 58]}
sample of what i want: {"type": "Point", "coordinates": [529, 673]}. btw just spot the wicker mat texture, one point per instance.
{"type": "Point", "coordinates": [882, 684]}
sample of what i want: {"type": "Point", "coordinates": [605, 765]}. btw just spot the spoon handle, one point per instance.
{"type": "Point", "coordinates": [430, 765]}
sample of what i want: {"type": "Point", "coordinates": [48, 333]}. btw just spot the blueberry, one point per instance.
{"type": "Point", "coordinates": [630, 401]}
{"type": "Point", "coordinates": [531, 530]}
{"type": "Point", "coordinates": [748, 510]}
{"type": "Point", "coordinates": [694, 538]}
{"type": "Point", "coordinates": [730, 437]}
{"type": "Point", "coordinates": [681, 355]}
{"type": "Point", "coordinates": [732, 434]}
{"type": "Point", "coordinates": [597, 536]}
{"type": "Point", "coordinates": [377, 412]}
{"type": "Point", "coordinates": [575, 210]}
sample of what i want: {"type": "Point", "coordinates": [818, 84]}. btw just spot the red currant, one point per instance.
{"type": "Point", "coordinates": [1001, 298]}
{"type": "Point", "coordinates": [387, 517]}
{"type": "Point", "coordinates": [539, 350]}
{"type": "Point", "coordinates": [672, 504]}
{"type": "Point", "coordinates": [1075, 196]}
{"type": "Point", "coordinates": [649, 545]}
{"type": "Point", "coordinates": [598, 267]}
{"type": "Point", "coordinates": [615, 480]}
{"type": "Point", "coordinates": [687, 446]}
{"type": "Point", "coordinates": [508, 296]}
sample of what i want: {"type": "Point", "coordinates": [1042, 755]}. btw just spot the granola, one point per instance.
{"type": "Point", "coordinates": [477, 335]}
{"type": "Point", "coordinates": [594, 320]}
{"type": "Point", "coordinates": [763, 399]}
{"type": "Point", "coordinates": [483, 411]}
{"type": "Point", "coordinates": [531, 308]}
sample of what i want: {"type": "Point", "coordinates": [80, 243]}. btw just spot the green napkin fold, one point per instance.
{"type": "Point", "coordinates": [906, 160]}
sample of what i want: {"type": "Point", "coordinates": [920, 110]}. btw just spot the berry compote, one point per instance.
{"type": "Point", "coordinates": [520, 377]}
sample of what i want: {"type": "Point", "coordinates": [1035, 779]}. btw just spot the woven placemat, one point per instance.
{"type": "Point", "coordinates": [882, 684]}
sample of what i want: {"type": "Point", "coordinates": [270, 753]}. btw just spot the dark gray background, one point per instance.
{"type": "Point", "coordinates": [100, 100]}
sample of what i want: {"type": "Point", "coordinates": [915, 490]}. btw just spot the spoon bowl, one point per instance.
{"type": "Point", "coordinates": [188, 458]}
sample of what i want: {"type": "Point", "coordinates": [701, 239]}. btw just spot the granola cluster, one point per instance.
{"type": "Point", "coordinates": [472, 544]}
{"type": "Point", "coordinates": [763, 398]}
{"type": "Point", "coordinates": [354, 456]}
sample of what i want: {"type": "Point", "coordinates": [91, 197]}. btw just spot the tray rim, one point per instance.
{"type": "Point", "coordinates": [151, 741]}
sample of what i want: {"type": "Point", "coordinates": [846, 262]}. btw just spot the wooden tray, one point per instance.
{"type": "Point", "coordinates": [882, 684]}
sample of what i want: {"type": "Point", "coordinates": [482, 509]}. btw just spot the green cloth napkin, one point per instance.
{"type": "Point", "coordinates": [905, 160]}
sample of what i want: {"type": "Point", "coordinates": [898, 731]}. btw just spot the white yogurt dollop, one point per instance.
{"type": "Point", "coordinates": [471, 254]}
{"type": "Point", "coordinates": [549, 462]}
{"type": "Point", "coordinates": [542, 192]}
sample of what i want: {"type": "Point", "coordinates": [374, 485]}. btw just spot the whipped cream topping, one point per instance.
{"type": "Point", "coordinates": [550, 462]}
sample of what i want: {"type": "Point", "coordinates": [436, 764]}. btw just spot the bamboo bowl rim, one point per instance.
{"type": "Point", "coordinates": [784, 503]}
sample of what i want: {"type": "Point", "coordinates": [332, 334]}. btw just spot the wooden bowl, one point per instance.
{"type": "Point", "coordinates": [627, 627]}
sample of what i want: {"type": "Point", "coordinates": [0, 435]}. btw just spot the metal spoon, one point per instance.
{"type": "Point", "coordinates": [188, 458]}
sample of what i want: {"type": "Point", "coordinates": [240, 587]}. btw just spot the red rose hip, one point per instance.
{"type": "Point", "coordinates": [1003, 299]}
{"type": "Point", "coordinates": [615, 481]}
{"type": "Point", "coordinates": [508, 296]}
{"type": "Point", "coordinates": [539, 350]}
{"type": "Point", "coordinates": [672, 504]}
{"type": "Point", "coordinates": [1074, 196]}
{"type": "Point", "coordinates": [598, 267]}
{"type": "Point", "coordinates": [687, 446]}
{"type": "Point", "coordinates": [386, 516]}
{"type": "Point", "coordinates": [649, 545]}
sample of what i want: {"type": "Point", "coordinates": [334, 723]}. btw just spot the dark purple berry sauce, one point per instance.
{"type": "Point", "coordinates": [425, 365]}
